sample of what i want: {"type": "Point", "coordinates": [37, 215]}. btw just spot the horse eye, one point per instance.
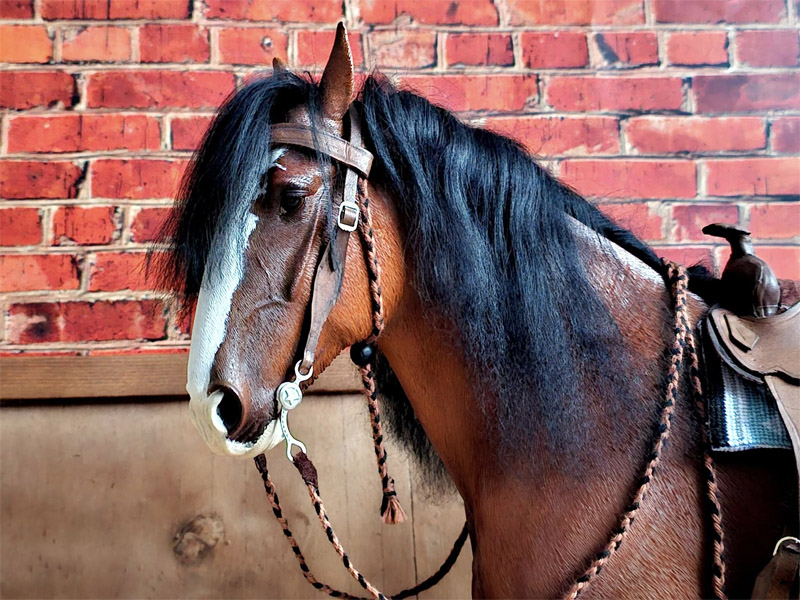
{"type": "Point", "coordinates": [291, 200]}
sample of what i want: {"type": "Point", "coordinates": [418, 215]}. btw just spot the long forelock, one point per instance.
{"type": "Point", "coordinates": [227, 174]}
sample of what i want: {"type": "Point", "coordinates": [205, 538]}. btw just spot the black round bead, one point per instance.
{"type": "Point", "coordinates": [362, 353]}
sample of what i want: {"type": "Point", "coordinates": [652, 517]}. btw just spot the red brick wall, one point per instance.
{"type": "Point", "coordinates": [671, 113]}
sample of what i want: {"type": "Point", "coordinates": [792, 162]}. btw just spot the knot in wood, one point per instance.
{"type": "Point", "coordinates": [197, 538]}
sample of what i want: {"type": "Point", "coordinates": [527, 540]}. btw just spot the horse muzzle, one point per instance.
{"type": "Point", "coordinates": [217, 416]}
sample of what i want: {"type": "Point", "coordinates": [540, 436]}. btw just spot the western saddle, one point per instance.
{"type": "Point", "coordinates": [755, 331]}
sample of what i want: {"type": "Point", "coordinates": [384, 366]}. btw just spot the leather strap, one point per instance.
{"type": "Point", "coordinates": [349, 153]}
{"type": "Point", "coordinates": [779, 578]}
{"type": "Point", "coordinates": [330, 269]}
{"type": "Point", "coordinates": [787, 398]}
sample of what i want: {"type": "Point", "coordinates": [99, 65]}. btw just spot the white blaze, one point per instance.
{"type": "Point", "coordinates": [223, 273]}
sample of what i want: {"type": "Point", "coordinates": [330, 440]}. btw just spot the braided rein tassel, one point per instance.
{"type": "Point", "coordinates": [391, 511]}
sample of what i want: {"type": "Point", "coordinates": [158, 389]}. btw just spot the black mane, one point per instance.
{"type": "Point", "coordinates": [492, 251]}
{"type": "Point", "coordinates": [488, 240]}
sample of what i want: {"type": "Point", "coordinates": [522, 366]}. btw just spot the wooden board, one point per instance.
{"type": "Point", "coordinates": [91, 497]}
{"type": "Point", "coordinates": [133, 376]}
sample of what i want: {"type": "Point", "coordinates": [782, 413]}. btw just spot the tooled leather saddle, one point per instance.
{"type": "Point", "coordinates": [755, 333]}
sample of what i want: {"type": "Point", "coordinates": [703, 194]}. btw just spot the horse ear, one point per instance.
{"type": "Point", "coordinates": [336, 85]}
{"type": "Point", "coordinates": [278, 65]}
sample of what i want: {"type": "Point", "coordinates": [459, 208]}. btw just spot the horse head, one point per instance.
{"type": "Point", "coordinates": [266, 217]}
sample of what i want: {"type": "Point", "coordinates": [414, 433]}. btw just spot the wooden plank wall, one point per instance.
{"type": "Point", "coordinates": [54, 378]}
{"type": "Point", "coordinates": [92, 496]}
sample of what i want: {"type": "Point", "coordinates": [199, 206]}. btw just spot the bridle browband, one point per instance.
{"type": "Point", "coordinates": [339, 149]}
{"type": "Point", "coordinates": [329, 273]}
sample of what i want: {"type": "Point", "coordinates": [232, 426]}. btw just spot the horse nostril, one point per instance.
{"type": "Point", "coordinates": [230, 410]}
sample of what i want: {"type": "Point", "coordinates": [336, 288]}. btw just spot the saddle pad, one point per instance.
{"type": "Point", "coordinates": [742, 413]}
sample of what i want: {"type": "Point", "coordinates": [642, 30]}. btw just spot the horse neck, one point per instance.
{"type": "Point", "coordinates": [534, 510]}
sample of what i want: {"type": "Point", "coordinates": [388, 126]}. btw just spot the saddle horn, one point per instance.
{"type": "Point", "coordinates": [749, 284]}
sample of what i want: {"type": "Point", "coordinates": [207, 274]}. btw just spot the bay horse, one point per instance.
{"type": "Point", "coordinates": [524, 344]}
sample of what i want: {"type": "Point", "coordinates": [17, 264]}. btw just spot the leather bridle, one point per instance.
{"type": "Point", "coordinates": [357, 162]}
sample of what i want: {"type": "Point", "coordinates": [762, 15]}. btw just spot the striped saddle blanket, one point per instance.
{"type": "Point", "coordinates": [742, 411]}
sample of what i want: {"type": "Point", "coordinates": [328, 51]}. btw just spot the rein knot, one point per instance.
{"type": "Point", "coordinates": [261, 463]}
{"type": "Point", "coordinates": [307, 469]}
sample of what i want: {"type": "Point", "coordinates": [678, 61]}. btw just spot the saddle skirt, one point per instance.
{"type": "Point", "coordinates": [747, 362]}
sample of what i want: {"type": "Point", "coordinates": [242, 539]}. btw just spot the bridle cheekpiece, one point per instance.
{"type": "Point", "coordinates": [329, 273]}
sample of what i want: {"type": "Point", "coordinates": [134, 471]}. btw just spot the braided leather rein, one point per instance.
{"type": "Point", "coordinates": [390, 508]}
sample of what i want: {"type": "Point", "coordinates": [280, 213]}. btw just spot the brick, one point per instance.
{"type": "Point", "coordinates": [405, 49]}
{"type": "Point", "coordinates": [562, 49]}
{"type": "Point", "coordinates": [767, 48]}
{"type": "Point", "coordinates": [639, 218]}
{"type": "Point", "coordinates": [75, 9]}
{"type": "Point", "coordinates": [476, 92]}
{"type": "Point", "coordinates": [31, 179]}
{"type": "Point", "coordinates": [687, 255]}
{"type": "Point", "coordinates": [115, 9]}
{"type": "Point", "coordinates": [775, 221]}
{"type": "Point", "coordinates": [30, 272]}
{"type": "Point", "coordinates": [20, 226]}
{"type": "Point", "coordinates": [671, 135]}
{"type": "Point", "coordinates": [785, 261]}
{"type": "Point", "coordinates": [173, 43]}
{"type": "Point", "coordinates": [753, 177]}
{"type": "Point", "coordinates": [560, 136]}
{"type": "Point", "coordinates": [113, 271]}
{"type": "Point", "coordinates": [627, 49]}
{"type": "Point", "coordinates": [689, 220]}
{"type": "Point", "coordinates": [84, 226]}
{"type": "Point", "coordinates": [16, 9]}
{"type": "Point", "coordinates": [252, 46]}
{"type": "Point", "coordinates": [714, 11]}
{"type": "Point", "coordinates": [576, 12]}
{"type": "Point", "coordinates": [159, 89]}
{"type": "Point", "coordinates": [476, 49]}
{"type": "Point", "coordinates": [695, 48]}
{"type": "Point", "coordinates": [136, 178]}
{"type": "Point", "coordinates": [96, 44]}
{"type": "Point", "coordinates": [274, 10]}
{"type": "Point", "coordinates": [21, 90]}
{"type": "Point", "coordinates": [187, 132]}
{"type": "Point", "coordinates": [615, 93]}
{"type": "Point", "coordinates": [147, 224]}
{"type": "Point", "coordinates": [751, 92]}
{"type": "Point", "coordinates": [314, 47]}
{"type": "Point", "coordinates": [784, 133]}
{"type": "Point", "coordinates": [25, 44]}
{"type": "Point", "coordinates": [631, 179]}
{"type": "Point", "coordinates": [433, 12]}
{"type": "Point", "coordinates": [78, 133]}
{"type": "Point", "coordinates": [40, 322]}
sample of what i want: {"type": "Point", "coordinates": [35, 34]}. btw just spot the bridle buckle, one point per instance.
{"type": "Point", "coordinates": [347, 219]}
